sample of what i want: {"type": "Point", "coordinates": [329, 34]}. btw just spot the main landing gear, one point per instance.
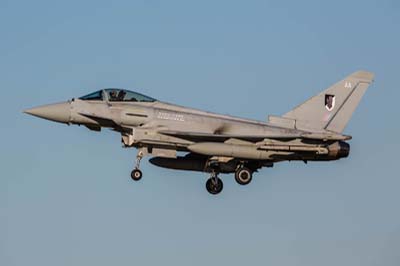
{"type": "Point", "coordinates": [243, 175]}
{"type": "Point", "coordinates": [214, 184]}
{"type": "Point", "coordinates": [136, 174]}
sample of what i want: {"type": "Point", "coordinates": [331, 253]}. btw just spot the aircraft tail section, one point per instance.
{"type": "Point", "coordinates": [332, 109]}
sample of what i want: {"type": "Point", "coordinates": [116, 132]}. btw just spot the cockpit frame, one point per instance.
{"type": "Point", "coordinates": [117, 95]}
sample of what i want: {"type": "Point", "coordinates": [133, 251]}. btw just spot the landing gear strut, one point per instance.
{"type": "Point", "coordinates": [136, 174]}
{"type": "Point", "coordinates": [214, 184]}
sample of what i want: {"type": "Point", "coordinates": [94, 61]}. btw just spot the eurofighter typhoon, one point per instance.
{"type": "Point", "coordinates": [183, 138]}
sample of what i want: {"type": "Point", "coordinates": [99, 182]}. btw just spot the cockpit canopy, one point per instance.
{"type": "Point", "coordinates": [117, 95]}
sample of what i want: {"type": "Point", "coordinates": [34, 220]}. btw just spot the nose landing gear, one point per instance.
{"type": "Point", "coordinates": [136, 174]}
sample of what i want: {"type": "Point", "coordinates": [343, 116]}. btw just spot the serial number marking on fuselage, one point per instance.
{"type": "Point", "coordinates": [170, 116]}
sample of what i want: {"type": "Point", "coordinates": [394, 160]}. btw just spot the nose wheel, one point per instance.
{"type": "Point", "coordinates": [214, 184]}
{"type": "Point", "coordinates": [136, 174]}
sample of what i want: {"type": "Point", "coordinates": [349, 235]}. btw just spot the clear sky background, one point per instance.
{"type": "Point", "coordinates": [66, 197]}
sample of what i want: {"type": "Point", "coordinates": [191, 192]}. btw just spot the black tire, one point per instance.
{"type": "Point", "coordinates": [214, 185]}
{"type": "Point", "coordinates": [136, 174]}
{"type": "Point", "coordinates": [243, 176]}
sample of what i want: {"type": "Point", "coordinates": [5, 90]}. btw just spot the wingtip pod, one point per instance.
{"type": "Point", "coordinates": [363, 75]}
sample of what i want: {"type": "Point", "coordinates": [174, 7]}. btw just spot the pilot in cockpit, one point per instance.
{"type": "Point", "coordinates": [121, 95]}
{"type": "Point", "coordinates": [113, 96]}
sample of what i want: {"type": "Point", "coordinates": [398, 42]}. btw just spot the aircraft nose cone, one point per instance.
{"type": "Point", "coordinates": [58, 112]}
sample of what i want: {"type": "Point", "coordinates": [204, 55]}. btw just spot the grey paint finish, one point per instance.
{"type": "Point", "coordinates": [218, 143]}
{"type": "Point", "coordinates": [345, 96]}
{"type": "Point", "coordinates": [58, 112]}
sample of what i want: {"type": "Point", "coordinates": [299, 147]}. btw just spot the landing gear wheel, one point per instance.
{"type": "Point", "coordinates": [243, 176]}
{"type": "Point", "coordinates": [214, 185]}
{"type": "Point", "coordinates": [136, 174]}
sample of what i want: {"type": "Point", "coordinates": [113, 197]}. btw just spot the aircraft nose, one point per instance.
{"type": "Point", "coordinates": [58, 112]}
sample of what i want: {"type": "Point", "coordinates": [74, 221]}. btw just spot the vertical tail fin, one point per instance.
{"type": "Point", "coordinates": [332, 109]}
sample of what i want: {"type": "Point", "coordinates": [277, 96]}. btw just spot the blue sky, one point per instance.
{"type": "Point", "coordinates": [65, 193]}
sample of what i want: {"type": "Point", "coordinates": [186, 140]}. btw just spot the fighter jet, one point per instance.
{"type": "Point", "coordinates": [183, 138]}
